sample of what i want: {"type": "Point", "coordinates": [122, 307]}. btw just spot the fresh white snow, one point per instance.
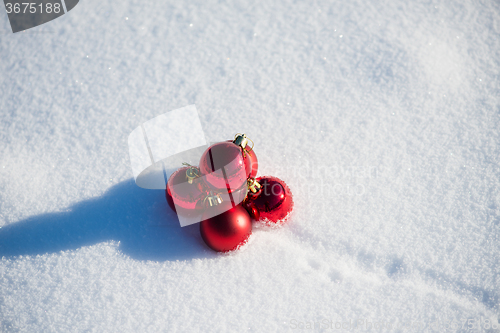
{"type": "Point", "coordinates": [383, 117]}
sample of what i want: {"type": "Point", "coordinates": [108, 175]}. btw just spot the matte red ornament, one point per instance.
{"type": "Point", "coordinates": [223, 166]}
{"type": "Point", "coordinates": [274, 201]}
{"type": "Point", "coordinates": [186, 191]}
{"type": "Point", "coordinates": [227, 231]}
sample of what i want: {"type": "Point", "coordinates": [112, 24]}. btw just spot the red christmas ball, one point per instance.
{"type": "Point", "coordinates": [223, 166]}
{"type": "Point", "coordinates": [185, 191]}
{"type": "Point", "coordinates": [235, 197]}
{"type": "Point", "coordinates": [252, 210]}
{"type": "Point", "coordinates": [228, 230]}
{"type": "Point", "coordinates": [250, 160]}
{"type": "Point", "coordinates": [274, 201]}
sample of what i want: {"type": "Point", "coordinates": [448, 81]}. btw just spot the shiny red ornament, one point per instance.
{"type": "Point", "coordinates": [223, 166]}
{"type": "Point", "coordinates": [235, 197]}
{"type": "Point", "coordinates": [186, 191]}
{"type": "Point", "coordinates": [251, 162]}
{"type": "Point", "coordinates": [251, 159]}
{"type": "Point", "coordinates": [228, 230]}
{"type": "Point", "coordinates": [274, 201]}
{"type": "Point", "coordinates": [252, 210]}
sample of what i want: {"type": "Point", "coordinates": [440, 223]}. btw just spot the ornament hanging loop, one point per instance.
{"type": "Point", "coordinates": [253, 144]}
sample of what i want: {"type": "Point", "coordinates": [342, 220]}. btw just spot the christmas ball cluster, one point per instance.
{"type": "Point", "coordinates": [226, 194]}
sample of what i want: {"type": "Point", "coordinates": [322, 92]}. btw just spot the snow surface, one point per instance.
{"type": "Point", "coordinates": [381, 115]}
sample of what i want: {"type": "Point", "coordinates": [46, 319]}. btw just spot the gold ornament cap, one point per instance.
{"type": "Point", "coordinates": [213, 199]}
{"type": "Point", "coordinates": [240, 140]}
{"type": "Point", "coordinates": [192, 174]}
{"type": "Point", "coordinates": [253, 185]}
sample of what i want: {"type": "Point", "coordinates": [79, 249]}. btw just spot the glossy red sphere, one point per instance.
{"type": "Point", "coordinates": [251, 162]}
{"type": "Point", "coordinates": [235, 197]}
{"type": "Point", "coordinates": [223, 166]}
{"type": "Point", "coordinates": [187, 198]}
{"type": "Point", "coordinates": [227, 231]}
{"type": "Point", "coordinates": [274, 201]}
{"type": "Point", "coordinates": [252, 210]}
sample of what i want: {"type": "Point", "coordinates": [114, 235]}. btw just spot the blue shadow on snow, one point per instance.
{"type": "Point", "coordinates": [140, 219]}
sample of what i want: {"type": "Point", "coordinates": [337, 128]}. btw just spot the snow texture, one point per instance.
{"type": "Point", "coordinates": [383, 116]}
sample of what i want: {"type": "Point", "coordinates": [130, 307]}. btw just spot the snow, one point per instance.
{"type": "Point", "coordinates": [381, 116]}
